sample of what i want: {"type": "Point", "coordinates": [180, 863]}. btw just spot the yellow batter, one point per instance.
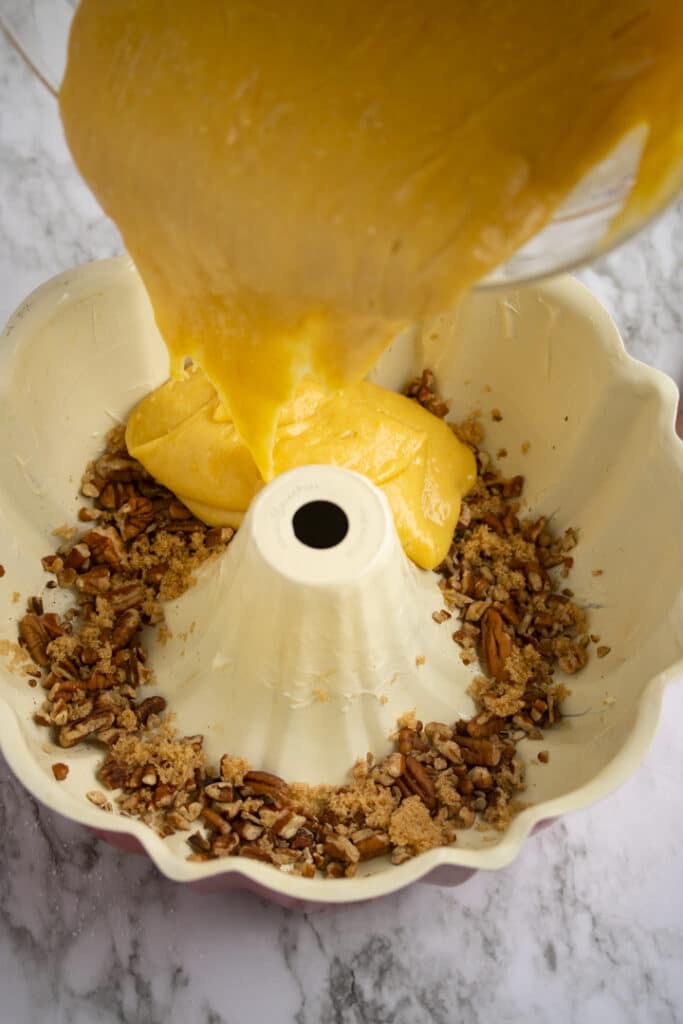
{"type": "Point", "coordinates": [295, 181]}
{"type": "Point", "coordinates": [184, 437]}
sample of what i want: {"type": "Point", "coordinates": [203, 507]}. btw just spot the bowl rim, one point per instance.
{"type": "Point", "coordinates": [385, 881]}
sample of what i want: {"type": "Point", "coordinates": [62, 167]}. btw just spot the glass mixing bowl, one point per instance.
{"type": "Point", "coordinates": [576, 234]}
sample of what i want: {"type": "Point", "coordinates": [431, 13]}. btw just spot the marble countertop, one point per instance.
{"type": "Point", "coordinates": [587, 925]}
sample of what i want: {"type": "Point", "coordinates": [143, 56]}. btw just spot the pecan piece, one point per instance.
{"type": "Point", "coordinates": [377, 845]}
{"type": "Point", "coordinates": [113, 774]}
{"type": "Point", "coordinates": [150, 706]}
{"type": "Point", "coordinates": [52, 563]}
{"type": "Point", "coordinates": [36, 638]}
{"type": "Point", "coordinates": [419, 782]}
{"type": "Point", "coordinates": [95, 581]}
{"type": "Point", "coordinates": [485, 752]}
{"type": "Point", "coordinates": [225, 846]}
{"type": "Point", "coordinates": [135, 516]}
{"type": "Point", "coordinates": [341, 848]}
{"type": "Point", "coordinates": [256, 853]}
{"type": "Point", "coordinates": [125, 628]}
{"type": "Point", "coordinates": [114, 495]}
{"type": "Point", "coordinates": [78, 558]}
{"type": "Point", "coordinates": [130, 595]}
{"type": "Point", "coordinates": [485, 724]}
{"type": "Point", "coordinates": [223, 792]}
{"type": "Point", "coordinates": [287, 824]}
{"type": "Point", "coordinates": [266, 784]}
{"type": "Point", "coordinates": [119, 469]}
{"type": "Point", "coordinates": [75, 732]}
{"type": "Point", "coordinates": [106, 546]}
{"type": "Point", "coordinates": [497, 644]}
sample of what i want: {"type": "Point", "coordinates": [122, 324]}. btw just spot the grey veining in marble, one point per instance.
{"type": "Point", "coordinates": [587, 925]}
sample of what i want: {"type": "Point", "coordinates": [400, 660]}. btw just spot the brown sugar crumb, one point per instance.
{"type": "Point", "coordinates": [526, 445]}
{"type": "Point", "coordinates": [412, 826]}
{"type": "Point", "coordinates": [173, 759]}
{"type": "Point", "coordinates": [60, 770]}
{"type": "Point", "coordinates": [469, 431]}
{"type": "Point", "coordinates": [16, 597]}
{"type": "Point", "coordinates": [140, 546]}
{"type": "Point", "coordinates": [496, 415]}
{"type": "Point", "coordinates": [420, 660]}
{"type": "Point", "coordinates": [598, 572]}
{"type": "Point", "coordinates": [502, 453]}
{"type": "Point", "coordinates": [408, 720]}
{"type": "Point", "coordinates": [603, 651]}
{"type": "Point", "coordinates": [365, 797]}
{"type": "Point", "coordinates": [233, 769]}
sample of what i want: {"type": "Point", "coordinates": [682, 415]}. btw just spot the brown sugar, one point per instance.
{"type": "Point", "coordinates": [412, 826]}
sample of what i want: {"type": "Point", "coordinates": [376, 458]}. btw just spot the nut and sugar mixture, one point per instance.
{"type": "Point", "coordinates": [504, 597]}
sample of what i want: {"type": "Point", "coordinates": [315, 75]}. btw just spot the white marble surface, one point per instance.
{"type": "Point", "coordinates": [586, 926]}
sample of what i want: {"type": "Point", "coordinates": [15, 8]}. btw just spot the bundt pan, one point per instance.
{"type": "Point", "coordinates": [591, 429]}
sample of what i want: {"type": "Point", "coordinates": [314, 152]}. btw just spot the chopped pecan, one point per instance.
{"type": "Point", "coordinates": [341, 848]}
{"type": "Point", "coordinates": [497, 644]}
{"type": "Point", "coordinates": [113, 774]}
{"type": "Point", "coordinates": [163, 795]}
{"type": "Point", "coordinates": [106, 546]}
{"type": "Point", "coordinates": [475, 751]}
{"type": "Point", "coordinates": [150, 706]}
{"type": "Point", "coordinates": [248, 831]}
{"type": "Point", "coordinates": [35, 637]}
{"type": "Point", "coordinates": [256, 853]}
{"type": "Point", "coordinates": [419, 782]}
{"type": "Point", "coordinates": [78, 558]}
{"type": "Point", "coordinates": [125, 628]}
{"type": "Point", "coordinates": [265, 784]}
{"type": "Point", "coordinates": [52, 563]}
{"type": "Point", "coordinates": [130, 595]}
{"type": "Point", "coordinates": [135, 516]}
{"type": "Point", "coordinates": [221, 791]}
{"type": "Point", "coordinates": [225, 845]}
{"type": "Point", "coordinates": [118, 468]}
{"type": "Point", "coordinates": [376, 845]}
{"type": "Point", "coordinates": [485, 724]}
{"type": "Point", "coordinates": [287, 824]}
{"type": "Point", "coordinates": [95, 581]}
{"type": "Point", "coordinates": [75, 732]}
{"type": "Point", "coordinates": [114, 495]}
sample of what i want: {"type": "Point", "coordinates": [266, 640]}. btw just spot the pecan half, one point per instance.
{"type": "Point", "coordinates": [266, 784]}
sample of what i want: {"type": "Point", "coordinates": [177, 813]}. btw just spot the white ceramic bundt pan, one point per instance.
{"type": "Point", "coordinates": [603, 456]}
